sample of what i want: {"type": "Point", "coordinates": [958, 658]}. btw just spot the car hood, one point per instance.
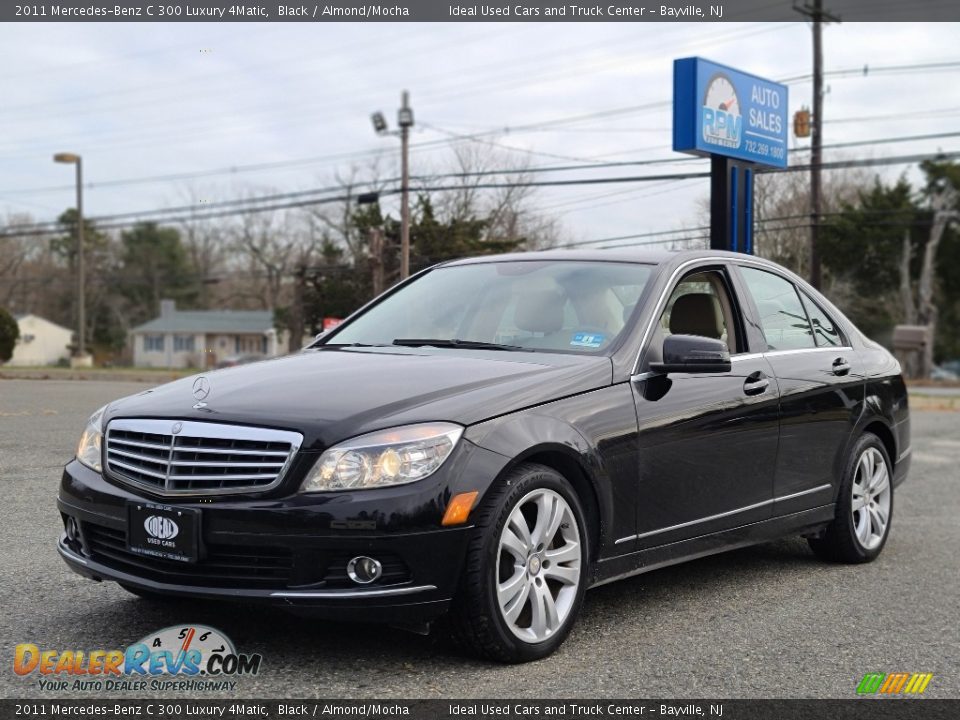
{"type": "Point", "coordinates": [333, 394]}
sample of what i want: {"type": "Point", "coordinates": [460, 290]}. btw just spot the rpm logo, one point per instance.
{"type": "Point", "coordinates": [160, 527]}
{"type": "Point", "coordinates": [721, 121]}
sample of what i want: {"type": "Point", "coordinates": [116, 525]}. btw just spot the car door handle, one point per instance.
{"type": "Point", "coordinates": [840, 366]}
{"type": "Point", "coordinates": [756, 384]}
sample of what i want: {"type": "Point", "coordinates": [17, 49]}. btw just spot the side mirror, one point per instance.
{"type": "Point", "coordinates": [693, 354]}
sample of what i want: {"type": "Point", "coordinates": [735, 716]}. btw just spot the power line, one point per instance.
{"type": "Point", "coordinates": [199, 212]}
{"type": "Point", "coordinates": [586, 165]}
{"type": "Point", "coordinates": [866, 70]}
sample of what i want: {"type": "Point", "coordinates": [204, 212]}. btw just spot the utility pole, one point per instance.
{"type": "Point", "coordinates": [73, 159]}
{"type": "Point", "coordinates": [405, 121]}
{"type": "Point", "coordinates": [817, 14]}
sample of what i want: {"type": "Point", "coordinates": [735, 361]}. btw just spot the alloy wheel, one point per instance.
{"type": "Point", "coordinates": [870, 498]}
{"type": "Point", "coordinates": [538, 565]}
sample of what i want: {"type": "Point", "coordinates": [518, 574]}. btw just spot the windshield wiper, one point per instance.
{"type": "Point", "coordinates": [337, 346]}
{"type": "Point", "coordinates": [465, 344]}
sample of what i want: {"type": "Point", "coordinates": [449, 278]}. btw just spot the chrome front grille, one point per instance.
{"type": "Point", "coordinates": [180, 457]}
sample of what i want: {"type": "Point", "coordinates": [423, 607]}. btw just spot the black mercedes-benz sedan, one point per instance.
{"type": "Point", "coordinates": [494, 436]}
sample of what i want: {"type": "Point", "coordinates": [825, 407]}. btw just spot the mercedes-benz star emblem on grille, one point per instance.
{"type": "Point", "coordinates": [160, 527]}
{"type": "Point", "coordinates": [177, 427]}
{"type": "Point", "coordinates": [201, 388]}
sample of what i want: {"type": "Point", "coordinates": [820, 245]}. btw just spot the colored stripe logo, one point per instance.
{"type": "Point", "coordinates": [894, 683]}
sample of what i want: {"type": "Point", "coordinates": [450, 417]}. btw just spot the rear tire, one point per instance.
{"type": "Point", "coordinates": [864, 506]}
{"type": "Point", "coordinates": [526, 569]}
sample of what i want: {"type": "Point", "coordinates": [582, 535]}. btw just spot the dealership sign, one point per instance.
{"type": "Point", "coordinates": [721, 111]}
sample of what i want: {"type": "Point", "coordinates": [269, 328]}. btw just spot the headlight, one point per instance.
{"type": "Point", "coordinates": [88, 449]}
{"type": "Point", "coordinates": [388, 457]}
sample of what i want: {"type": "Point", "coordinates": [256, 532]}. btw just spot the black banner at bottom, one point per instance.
{"type": "Point", "coordinates": [253, 709]}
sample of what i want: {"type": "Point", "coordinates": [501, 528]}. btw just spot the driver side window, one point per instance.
{"type": "Point", "coordinates": [700, 305]}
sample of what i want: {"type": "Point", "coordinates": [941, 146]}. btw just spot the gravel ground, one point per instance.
{"type": "Point", "coordinates": [768, 621]}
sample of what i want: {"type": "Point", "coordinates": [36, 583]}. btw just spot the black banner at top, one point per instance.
{"type": "Point", "coordinates": [472, 11]}
{"type": "Point", "coordinates": [585, 709]}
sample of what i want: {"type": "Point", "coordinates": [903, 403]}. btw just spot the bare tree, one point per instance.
{"type": "Point", "coordinates": [15, 252]}
{"type": "Point", "coordinates": [782, 212]}
{"type": "Point", "coordinates": [206, 243]}
{"type": "Point", "coordinates": [922, 310]}
{"type": "Point", "coordinates": [509, 210]}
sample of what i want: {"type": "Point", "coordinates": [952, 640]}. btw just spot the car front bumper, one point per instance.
{"type": "Point", "coordinates": [290, 552]}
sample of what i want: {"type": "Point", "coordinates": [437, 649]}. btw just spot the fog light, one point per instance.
{"type": "Point", "coordinates": [72, 528]}
{"type": "Point", "coordinates": [364, 570]}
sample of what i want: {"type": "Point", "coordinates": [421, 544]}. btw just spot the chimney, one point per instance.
{"type": "Point", "coordinates": [167, 308]}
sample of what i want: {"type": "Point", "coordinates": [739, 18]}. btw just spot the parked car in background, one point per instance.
{"type": "Point", "coordinates": [494, 436]}
{"type": "Point", "coordinates": [949, 370]}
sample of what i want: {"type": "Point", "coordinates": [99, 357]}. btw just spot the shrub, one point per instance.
{"type": "Point", "coordinates": [9, 333]}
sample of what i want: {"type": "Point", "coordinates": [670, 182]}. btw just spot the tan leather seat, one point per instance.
{"type": "Point", "coordinates": [539, 311]}
{"type": "Point", "coordinates": [697, 314]}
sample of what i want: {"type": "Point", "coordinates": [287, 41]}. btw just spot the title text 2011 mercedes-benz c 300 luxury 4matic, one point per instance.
{"type": "Point", "coordinates": [492, 437]}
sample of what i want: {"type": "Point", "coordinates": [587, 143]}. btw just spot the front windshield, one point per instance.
{"type": "Point", "coordinates": [561, 305]}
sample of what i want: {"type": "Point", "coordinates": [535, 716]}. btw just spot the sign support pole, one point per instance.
{"type": "Point", "coordinates": [731, 205]}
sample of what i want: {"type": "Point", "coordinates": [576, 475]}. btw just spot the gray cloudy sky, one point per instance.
{"type": "Point", "coordinates": [142, 100]}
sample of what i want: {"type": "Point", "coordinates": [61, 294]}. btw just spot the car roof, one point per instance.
{"type": "Point", "coordinates": [648, 256]}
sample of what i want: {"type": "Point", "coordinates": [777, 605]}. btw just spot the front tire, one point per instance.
{"type": "Point", "coordinates": [864, 506]}
{"type": "Point", "coordinates": [526, 569]}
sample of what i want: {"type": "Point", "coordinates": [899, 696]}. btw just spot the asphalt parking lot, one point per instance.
{"type": "Point", "coordinates": [769, 621]}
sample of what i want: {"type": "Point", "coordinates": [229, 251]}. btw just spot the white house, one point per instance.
{"type": "Point", "coordinates": [203, 338]}
{"type": "Point", "coordinates": [41, 342]}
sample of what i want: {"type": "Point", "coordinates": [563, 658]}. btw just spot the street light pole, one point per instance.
{"type": "Point", "coordinates": [72, 159]}
{"type": "Point", "coordinates": [405, 118]}
{"type": "Point", "coordinates": [405, 121]}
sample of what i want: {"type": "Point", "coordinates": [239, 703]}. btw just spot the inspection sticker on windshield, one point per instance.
{"type": "Point", "coordinates": [590, 340]}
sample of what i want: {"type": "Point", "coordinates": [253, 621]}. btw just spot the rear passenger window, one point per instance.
{"type": "Point", "coordinates": [825, 330]}
{"type": "Point", "coordinates": [782, 317]}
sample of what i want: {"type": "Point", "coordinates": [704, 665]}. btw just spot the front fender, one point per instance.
{"type": "Point", "coordinates": [591, 440]}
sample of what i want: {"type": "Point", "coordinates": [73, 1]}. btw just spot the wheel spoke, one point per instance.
{"type": "Point", "coordinates": [518, 523]}
{"type": "Point", "coordinates": [549, 517]}
{"type": "Point", "coordinates": [880, 481]}
{"type": "Point", "coordinates": [879, 519]}
{"type": "Point", "coordinates": [544, 618]}
{"type": "Point", "coordinates": [512, 610]}
{"type": "Point", "coordinates": [863, 526]}
{"type": "Point", "coordinates": [550, 606]}
{"type": "Point", "coordinates": [509, 588]}
{"type": "Point", "coordinates": [566, 575]}
{"type": "Point", "coordinates": [859, 501]}
{"type": "Point", "coordinates": [514, 545]}
{"type": "Point", "coordinates": [566, 553]}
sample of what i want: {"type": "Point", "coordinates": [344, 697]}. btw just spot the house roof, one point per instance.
{"type": "Point", "coordinates": [209, 321]}
{"type": "Point", "coordinates": [24, 316]}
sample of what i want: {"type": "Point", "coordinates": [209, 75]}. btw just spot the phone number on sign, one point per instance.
{"type": "Point", "coordinates": [757, 147]}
